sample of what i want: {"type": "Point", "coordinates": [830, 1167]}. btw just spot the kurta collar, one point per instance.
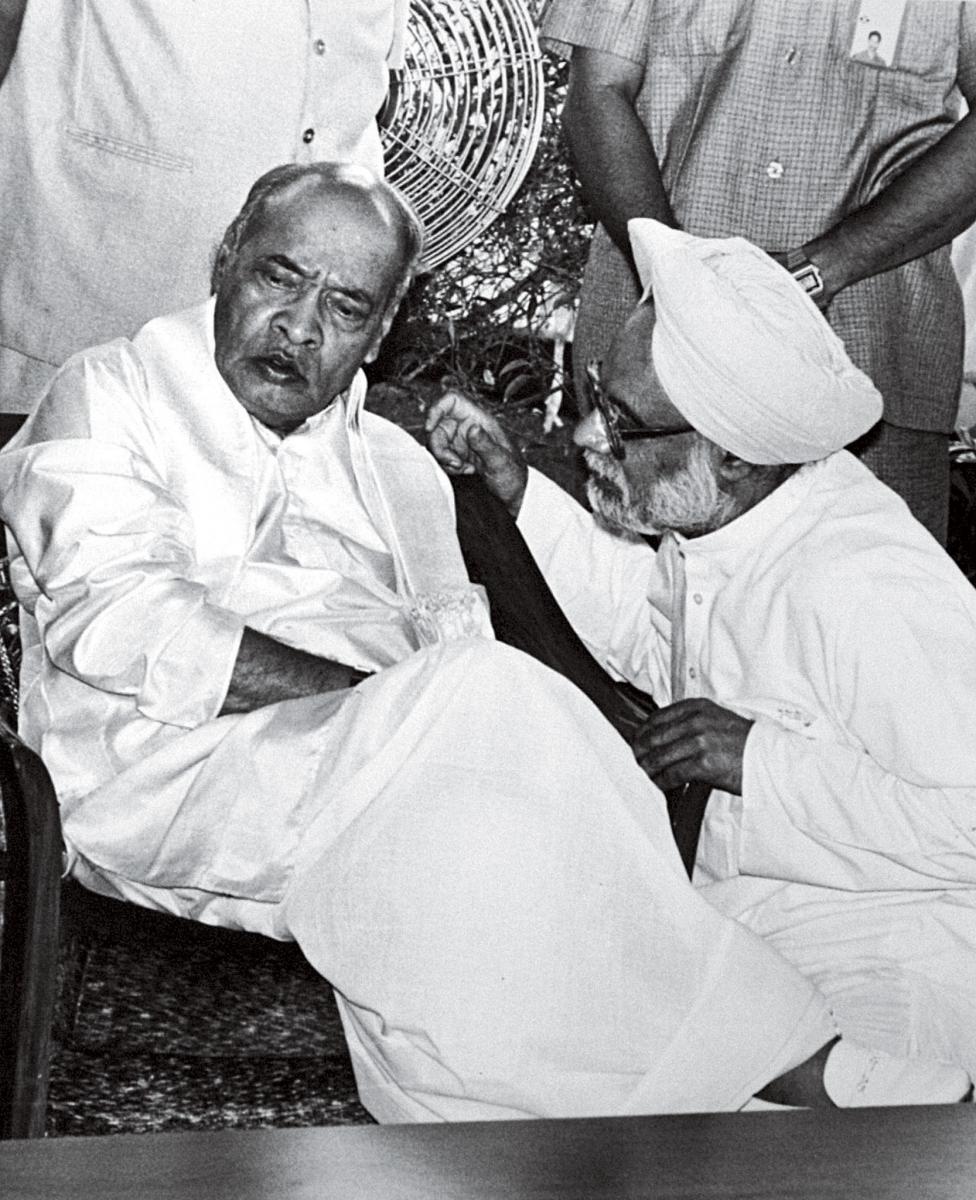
{"type": "Point", "coordinates": [725, 548]}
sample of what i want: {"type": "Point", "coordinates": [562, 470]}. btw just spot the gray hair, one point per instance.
{"type": "Point", "coordinates": [396, 208]}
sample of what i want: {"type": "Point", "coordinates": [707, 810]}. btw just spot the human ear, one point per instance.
{"type": "Point", "coordinates": [731, 469]}
{"type": "Point", "coordinates": [384, 329]}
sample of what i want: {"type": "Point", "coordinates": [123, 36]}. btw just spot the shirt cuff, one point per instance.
{"type": "Point", "coordinates": [609, 26]}
{"type": "Point", "coordinates": [187, 679]}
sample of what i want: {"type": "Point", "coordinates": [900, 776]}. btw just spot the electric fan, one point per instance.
{"type": "Point", "coordinates": [462, 121]}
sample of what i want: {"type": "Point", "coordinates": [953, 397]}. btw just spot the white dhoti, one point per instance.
{"type": "Point", "coordinates": [490, 884]}
{"type": "Point", "coordinates": [507, 923]}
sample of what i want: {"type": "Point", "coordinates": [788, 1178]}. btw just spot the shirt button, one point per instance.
{"type": "Point", "coordinates": [697, 597]}
{"type": "Point", "coordinates": [318, 46]}
{"type": "Point", "coordinates": [692, 673]}
{"type": "Point", "coordinates": [775, 170]}
{"type": "Point", "coordinates": [308, 135]}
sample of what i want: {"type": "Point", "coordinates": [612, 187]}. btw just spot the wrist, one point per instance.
{"type": "Point", "coordinates": [834, 264]}
{"type": "Point", "coordinates": [515, 498]}
{"type": "Point", "coordinates": [806, 272]}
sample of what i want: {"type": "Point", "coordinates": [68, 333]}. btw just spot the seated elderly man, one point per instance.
{"type": "Point", "coordinates": [817, 648]}
{"type": "Point", "coordinates": [271, 699]}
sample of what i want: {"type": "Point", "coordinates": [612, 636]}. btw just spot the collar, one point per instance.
{"type": "Point", "coordinates": [724, 549]}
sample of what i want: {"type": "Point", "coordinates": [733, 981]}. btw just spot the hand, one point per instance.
{"type": "Point", "coordinates": [466, 440]}
{"type": "Point", "coordinates": [693, 740]}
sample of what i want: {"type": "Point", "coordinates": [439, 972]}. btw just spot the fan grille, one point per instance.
{"type": "Point", "coordinates": [465, 114]}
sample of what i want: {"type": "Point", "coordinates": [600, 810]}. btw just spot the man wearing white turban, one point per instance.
{"type": "Point", "coordinates": [814, 648]}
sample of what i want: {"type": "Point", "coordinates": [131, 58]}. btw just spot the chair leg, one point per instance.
{"type": "Point", "coordinates": [29, 960]}
{"type": "Point", "coordinates": [73, 958]}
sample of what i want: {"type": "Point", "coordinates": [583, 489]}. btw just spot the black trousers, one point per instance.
{"type": "Point", "coordinates": [525, 615]}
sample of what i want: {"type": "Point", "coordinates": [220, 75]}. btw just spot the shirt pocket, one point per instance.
{"type": "Point", "coordinates": [135, 83]}
{"type": "Point", "coordinates": [926, 46]}
{"type": "Point", "coordinates": [685, 28]}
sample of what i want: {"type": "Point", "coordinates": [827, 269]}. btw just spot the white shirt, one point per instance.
{"type": "Point", "coordinates": [130, 134]}
{"type": "Point", "coordinates": [174, 519]}
{"type": "Point", "coordinates": [828, 616]}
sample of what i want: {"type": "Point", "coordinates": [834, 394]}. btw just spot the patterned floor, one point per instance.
{"type": "Point", "coordinates": [197, 1032]}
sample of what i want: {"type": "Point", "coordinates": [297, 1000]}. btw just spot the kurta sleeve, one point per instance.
{"type": "Point", "coordinates": [108, 569]}
{"type": "Point", "coordinates": [612, 26]}
{"type": "Point", "coordinates": [892, 804]}
{"type": "Point", "coordinates": [601, 583]}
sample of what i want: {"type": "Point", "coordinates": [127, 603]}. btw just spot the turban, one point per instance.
{"type": "Point", "coordinates": [743, 352]}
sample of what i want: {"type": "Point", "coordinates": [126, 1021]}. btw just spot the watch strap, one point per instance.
{"type": "Point", "coordinates": [806, 273]}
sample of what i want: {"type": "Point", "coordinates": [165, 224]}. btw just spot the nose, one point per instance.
{"type": "Point", "coordinates": [298, 319]}
{"type": "Point", "coordinates": [591, 433]}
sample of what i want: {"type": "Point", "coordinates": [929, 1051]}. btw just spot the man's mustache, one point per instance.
{"type": "Point", "coordinates": [599, 466]}
{"type": "Point", "coordinates": [285, 359]}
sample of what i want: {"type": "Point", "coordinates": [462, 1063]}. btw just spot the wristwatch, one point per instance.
{"type": "Point", "coordinates": [806, 273]}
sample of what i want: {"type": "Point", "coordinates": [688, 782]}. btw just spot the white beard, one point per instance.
{"type": "Point", "coordinates": [608, 493]}
{"type": "Point", "coordinates": [688, 501]}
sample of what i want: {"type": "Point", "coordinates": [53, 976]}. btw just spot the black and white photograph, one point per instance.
{"type": "Point", "coordinates": [487, 599]}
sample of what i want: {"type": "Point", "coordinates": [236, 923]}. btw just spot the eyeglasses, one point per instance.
{"type": "Point", "coordinates": [614, 418]}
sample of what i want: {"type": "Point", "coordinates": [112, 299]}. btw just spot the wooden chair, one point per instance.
{"type": "Point", "coordinates": [31, 873]}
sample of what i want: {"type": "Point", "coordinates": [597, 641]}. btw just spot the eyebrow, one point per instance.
{"type": "Point", "coordinates": [290, 265]}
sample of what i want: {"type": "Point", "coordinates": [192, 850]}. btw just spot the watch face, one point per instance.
{"type": "Point", "coordinates": [809, 278]}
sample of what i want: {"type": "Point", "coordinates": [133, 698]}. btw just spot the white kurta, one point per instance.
{"type": "Point", "coordinates": [831, 618]}
{"type": "Point", "coordinates": [461, 844]}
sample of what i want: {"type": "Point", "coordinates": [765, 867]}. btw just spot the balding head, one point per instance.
{"type": "Point", "coordinates": [276, 185]}
{"type": "Point", "coordinates": [308, 279]}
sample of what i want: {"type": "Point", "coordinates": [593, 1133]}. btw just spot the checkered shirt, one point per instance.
{"type": "Point", "coordinates": [766, 126]}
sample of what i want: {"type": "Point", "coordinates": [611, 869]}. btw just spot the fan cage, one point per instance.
{"type": "Point", "coordinates": [465, 115]}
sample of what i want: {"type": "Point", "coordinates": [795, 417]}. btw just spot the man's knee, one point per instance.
{"type": "Point", "coordinates": [481, 660]}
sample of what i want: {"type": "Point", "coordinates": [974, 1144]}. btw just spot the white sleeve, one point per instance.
{"type": "Point", "coordinates": [108, 567]}
{"type": "Point", "coordinates": [601, 583]}
{"type": "Point", "coordinates": [893, 803]}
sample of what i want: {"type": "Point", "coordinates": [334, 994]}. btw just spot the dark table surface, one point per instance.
{"type": "Point", "coordinates": [909, 1153]}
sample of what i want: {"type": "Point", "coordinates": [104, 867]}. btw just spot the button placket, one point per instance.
{"type": "Point", "coordinates": [694, 627]}
{"type": "Point", "coordinates": [317, 50]}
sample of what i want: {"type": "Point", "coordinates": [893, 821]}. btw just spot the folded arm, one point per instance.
{"type": "Point", "coordinates": [112, 583]}
{"type": "Point", "coordinates": [267, 671]}
{"type": "Point", "coordinates": [108, 562]}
